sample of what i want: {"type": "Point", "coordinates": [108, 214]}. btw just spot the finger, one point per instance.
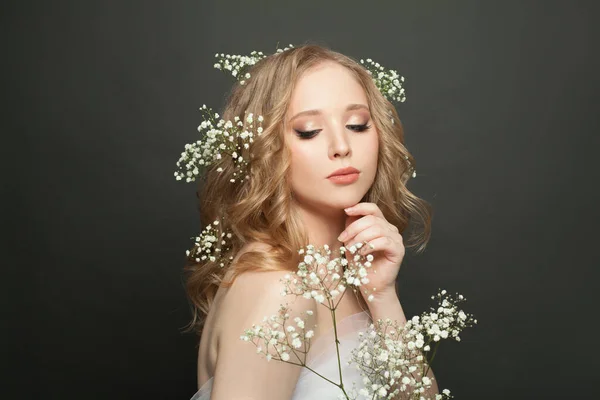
{"type": "Point", "coordinates": [365, 209]}
{"type": "Point", "coordinates": [370, 233]}
{"type": "Point", "coordinates": [354, 214]}
{"type": "Point", "coordinates": [377, 244]}
{"type": "Point", "coordinates": [357, 226]}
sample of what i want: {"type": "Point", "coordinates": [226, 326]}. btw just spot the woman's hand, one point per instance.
{"type": "Point", "coordinates": [365, 222]}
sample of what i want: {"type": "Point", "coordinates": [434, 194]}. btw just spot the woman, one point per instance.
{"type": "Point", "coordinates": [322, 113]}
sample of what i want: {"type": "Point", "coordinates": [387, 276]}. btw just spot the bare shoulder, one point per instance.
{"type": "Point", "coordinates": [256, 291]}
{"type": "Point", "coordinates": [253, 296]}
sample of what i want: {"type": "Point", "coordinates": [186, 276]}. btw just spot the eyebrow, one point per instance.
{"type": "Point", "coordinates": [318, 112]}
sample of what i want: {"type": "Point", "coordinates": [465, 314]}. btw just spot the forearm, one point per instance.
{"type": "Point", "coordinates": [387, 305]}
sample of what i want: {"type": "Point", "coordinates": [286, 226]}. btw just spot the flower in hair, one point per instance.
{"type": "Point", "coordinates": [219, 138]}
{"type": "Point", "coordinates": [209, 246]}
{"type": "Point", "coordinates": [387, 80]}
{"type": "Point", "coordinates": [237, 65]}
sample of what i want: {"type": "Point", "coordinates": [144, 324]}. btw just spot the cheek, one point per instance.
{"type": "Point", "coordinates": [303, 162]}
{"type": "Point", "coordinates": [371, 147]}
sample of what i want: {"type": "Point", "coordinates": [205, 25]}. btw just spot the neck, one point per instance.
{"type": "Point", "coordinates": [323, 227]}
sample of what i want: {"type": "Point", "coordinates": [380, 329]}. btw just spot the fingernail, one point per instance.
{"type": "Point", "coordinates": [342, 237]}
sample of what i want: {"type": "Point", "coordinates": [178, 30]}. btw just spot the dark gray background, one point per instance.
{"type": "Point", "coordinates": [100, 98]}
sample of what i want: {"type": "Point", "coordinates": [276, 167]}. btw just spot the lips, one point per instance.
{"type": "Point", "coordinates": [344, 171]}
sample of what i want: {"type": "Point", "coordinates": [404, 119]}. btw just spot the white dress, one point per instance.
{"type": "Point", "coordinates": [322, 358]}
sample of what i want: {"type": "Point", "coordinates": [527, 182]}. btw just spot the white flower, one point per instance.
{"type": "Point", "coordinates": [218, 140]}
{"type": "Point", "coordinates": [383, 356]}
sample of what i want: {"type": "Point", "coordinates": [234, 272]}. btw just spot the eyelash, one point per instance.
{"type": "Point", "coordinates": [311, 134]}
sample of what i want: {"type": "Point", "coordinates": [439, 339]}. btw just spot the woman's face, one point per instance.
{"type": "Point", "coordinates": [329, 108]}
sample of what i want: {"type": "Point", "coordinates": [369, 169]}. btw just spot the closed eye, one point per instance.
{"type": "Point", "coordinates": [311, 134]}
{"type": "Point", "coordinates": [307, 134]}
{"type": "Point", "coordinates": [359, 128]}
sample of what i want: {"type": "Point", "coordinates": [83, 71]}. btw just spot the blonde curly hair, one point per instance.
{"type": "Point", "coordinates": [259, 209]}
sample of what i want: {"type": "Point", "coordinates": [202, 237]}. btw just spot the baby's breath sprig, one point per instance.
{"type": "Point", "coordinates": [356, 274]}
{"type": "Point", "coordinates": [391, 358]}
{"type": "Point", "coordinates": [320, 277]}
{"type": "Point", "coordinates": [238, 65]}
{"type": "Point", "coordinates": [394, 358]}
{"type": "Point", "coordinates": [317, 276]}
{"type": "Point", "coordinates": [206, 246]}
{"type": "Point", "coordinates": [285, 341]}
{"type": "Point", "coordinates": [387, 80]}
{"type": "Point", "coordinates": [218, 138]}
{"type": "Point", "coordinates": [290, 46]}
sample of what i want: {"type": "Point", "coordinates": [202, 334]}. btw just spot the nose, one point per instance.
{"type": "Point", "coordinates": [339, 145]}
